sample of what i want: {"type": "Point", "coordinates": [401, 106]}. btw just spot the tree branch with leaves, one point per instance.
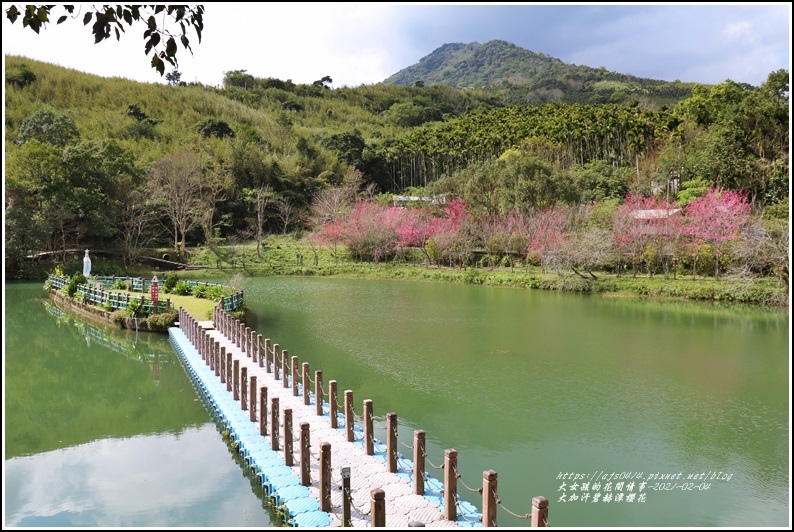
{"type": "Point", "coordinates": [160, 38]}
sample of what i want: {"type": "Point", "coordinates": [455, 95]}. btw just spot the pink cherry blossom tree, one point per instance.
{"type": "Point", "coordinates": [332, 234]}
{"type": "Point", "coordinates": [414, 227]}
{"type": "Point", "coordinates": [717, 218]}
{"type": "Point", "coordinates": [646, 227]}
{"type": "Point", "coordinates": [370, 231]}
{"type": "Point", "coordinates": [453, 239]}
{"type": "Point", "coordinates": [547, 234]}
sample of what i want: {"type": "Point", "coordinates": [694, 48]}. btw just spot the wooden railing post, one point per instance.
{"type": "Point", "coordinates": [419, 462]}
{"type": "Point", "coordinates": [349, 415]}
{"type": "Point", "coordinates": [450, 485]}
{"type": "Point", "coordinates": [378, 507]}
{"type": "Point", "coordinates": [346, 521]}
{"type": "Point", "coordinates": [244, 388]}
{"type": "Point", "coordinates": [289, 459]}
{"type": "Point", "coordinates": [258, 350]}
{"type": "Point", "coordinates": [391, 441]}
{"type": "Point", "coordinates": [268, 350]}
{"type": "Point", "coordinates": [489, 498]}
{"type": "Point", "coordinates": [276, 361]}
{"type": "Point", "coordinates": [306, 384]}
{"type": "Point", "coordinates": [220, 355]}
{"type": "Point", "coordinates": [540, 511]}
{"type": "Point", "coordinates": [216, 357]}
{"type": "Point", "coordinates": [325, 477]}
{"type": "Point", "coordinates": [306, 479]}
{"type": "Point", "coordinates": [285, 368]}
{"type": "Point", "coordinates": [247, 349]}
{"type": "Point", "coordinates": [369, 436]}
{"type": "Point", "coordinates": [274, 424]}
{"type": "Point", "coordinates": [332, 403]}
{"type": "Point", "coordinates": [229, 374]}
{"type": "Point", "coordinates": [236, 391]}
{"type": "Point", "coordinates": [253, 398]}
{"type": "Point", "coordinates": [263, 411]}
{"type": "Point", "coordinates": [318, 391]}
{"type": "Point", "coordinates": [295, 379]}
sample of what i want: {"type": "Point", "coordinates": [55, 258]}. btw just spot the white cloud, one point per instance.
{"type": "Point", "coordinates": [737, 29]}
{"type": "Point", "coordinates": [364, 43]}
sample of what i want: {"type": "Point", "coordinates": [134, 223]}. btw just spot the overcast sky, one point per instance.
{"type": "Point", "coordinates": [364, 43]}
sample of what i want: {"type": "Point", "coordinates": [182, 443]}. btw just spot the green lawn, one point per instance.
{"type": "Point", "coordinates": [201, 309]}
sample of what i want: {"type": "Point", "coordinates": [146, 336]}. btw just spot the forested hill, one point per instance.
{"type": "Point", "coordinates": [521, 76]}
{"type": "Point", "coordinates": [88, 159]}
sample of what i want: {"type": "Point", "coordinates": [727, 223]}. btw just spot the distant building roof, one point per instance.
{"type": "Point", "coordinates": [403, 200]}
{"type": "Point", "coordinates": [654, 214]}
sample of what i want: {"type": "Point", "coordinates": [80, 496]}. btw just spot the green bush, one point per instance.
{"type": "Point", "coordinates": [162, 321]}
{"type": "Point", "coordinates": [472, 276]}
{"type": "Point", "coordinates": [182, 288]}
{"type": "Point", "coordinates": [214, 292]}
{"type": "Point", "coordinates": [170, 282]}
{"type": "Point", "coordinates": [134, 307]}
{"type": "Point", "coordinates": [200, 291]}
{"type": "Point", "coordinates": [77, 279]}
{"type": "Point", "coordinates": [118, 316]}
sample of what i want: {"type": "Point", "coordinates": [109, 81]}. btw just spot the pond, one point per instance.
{"type": "Point", "coordinates": [622, 412]}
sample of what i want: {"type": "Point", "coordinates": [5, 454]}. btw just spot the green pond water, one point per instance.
{"type": "Point", "coordinates": [672, 413]}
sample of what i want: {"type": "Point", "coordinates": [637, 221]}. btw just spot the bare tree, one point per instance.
{"type": "Point", "coordinates": [587, 250]}
{"type": "Point", "coordinates": [213, 190]}
{"type": "Point", "coordinates": [134, 224]}
{"type": "Point", "coordinates": [260, 198]}
{"type": "Point", "coordinates": [329, 204]}
{"type": "Point", "coordinates": [287, 212]}
{"type": "Point", "coordinates": [175, 183]}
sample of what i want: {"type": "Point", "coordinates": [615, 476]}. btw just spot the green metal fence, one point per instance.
{"type": "Point", "coordinates": [94, 293]}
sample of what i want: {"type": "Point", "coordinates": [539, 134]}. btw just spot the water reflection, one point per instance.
{"type": "Point", "coordinates": [143, 347]}
{"type": "Point", "coordinates": [132, 482]}
{"type": "Point", "coordinates": [103, 428]}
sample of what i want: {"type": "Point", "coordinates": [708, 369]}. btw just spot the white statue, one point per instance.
{"type": "Point", "coordinates": [86, 265]}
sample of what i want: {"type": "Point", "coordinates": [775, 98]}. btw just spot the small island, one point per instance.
{"type": "Point", "coordinates": [139, 303]}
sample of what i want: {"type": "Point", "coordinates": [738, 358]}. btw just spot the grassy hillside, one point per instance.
{"type": "Point", "coordinates": [110, 163]}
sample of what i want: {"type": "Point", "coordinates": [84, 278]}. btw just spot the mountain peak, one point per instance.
{"type": "Point", "coordinates": [522, 76]}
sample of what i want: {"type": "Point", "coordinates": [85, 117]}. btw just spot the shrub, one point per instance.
{"type": "Point", "coordinates": [214, 292]}
{"type": "Point", "coordinates": [472, 276]}
{"type": "Point", "coordinates": [134, 307]}
{"type": "Point", "coordinates": [170, 282]}
{"type": "Point", "coordinates": [77, 279]}
{"type": "Point", "coordinates": [118, 316]}
{"type": "Point", "coordinates": [182, 288]}
{"type": "Point", "coordinates": [238, 314]}
{"type": "Point", "coordinates": [200, 291]}
{"type": "Point", "coordinates": [162, 321]}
